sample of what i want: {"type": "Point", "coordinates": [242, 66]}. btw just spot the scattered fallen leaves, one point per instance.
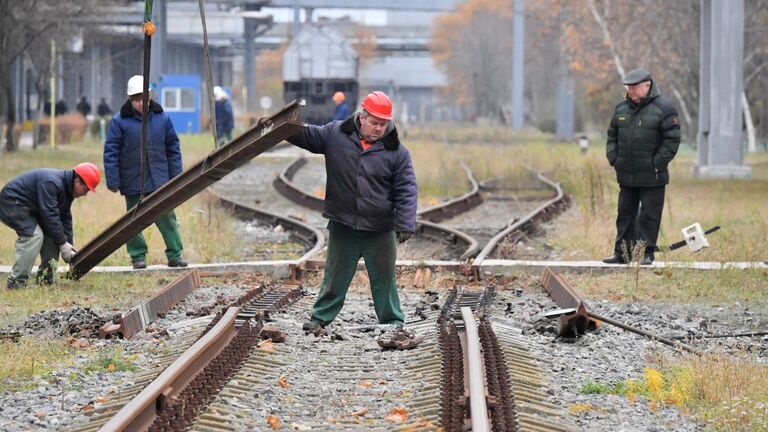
{"type": "Point", "coordinates": [361, 412]}
{"type": "Point", "coordinates": [267, 345]}
{"type": "Point", "coordinates": [87, 408]}
{"type": "Point", "coordinates": [577, 408]}
{"type": "Point", "coordinates": [365, 384]}
{"type": "Point", "coordinates": [383, 382]}
{"type": "Point", "coordinates": [111, 367]}
{"type": "Point", "coordinates": [283, 382]}
{"type": "Point", "coordinates": [397, 415]}
{"type": "Point", "coordinates": [273, 421]}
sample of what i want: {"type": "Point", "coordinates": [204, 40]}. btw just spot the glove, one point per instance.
{"type": "Point", "coordinates": [113, 188]}
{"type": "Point", "coordinates": [67, 252]}
{"type": "Point", "coordinates": [403, 236]}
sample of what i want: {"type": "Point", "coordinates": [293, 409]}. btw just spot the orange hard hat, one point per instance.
{"type": "Point", "coordinates": [89, 173]}
{"type": "Point", "coordinates": [338, 97]}
{"type": "Point", "coordinates": [378, 105]}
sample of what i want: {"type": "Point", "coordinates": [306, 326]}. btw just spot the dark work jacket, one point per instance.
{"type": "Point", "coordinates": [122, 150]}
{"type": "Point", "coordinates": [40, 197]}
{"type": "Point", "coordinates": [341, 112]}
{"type": "Point", "coordinates": [372, 190]}
{"type": "Point", "coordinates": [643, 139]}
{"type": "Point", "coordinates": [225, 119]}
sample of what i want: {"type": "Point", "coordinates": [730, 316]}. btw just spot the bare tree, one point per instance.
{"type": "Point", "coordinates": [21, 25]}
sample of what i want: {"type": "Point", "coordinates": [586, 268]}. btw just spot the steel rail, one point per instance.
{"type": "Point", "coordinates": [312, 238]}
{"type": "Point", "coordinates": [543, 213]}
{"type": "Point", "coordinates": [212, 168]}
{"type": "Point", "coordinates": [142, 410]}
{"type": "Point", "coordinates": [134, 321]}
{"type": "Point", "coordinates": [475, 373]}
{"type": "Point", "coordinates": [574, 319]}
{"type": "Point", "coordinates": [285, 185]}
{"type": "Point", "coordinates": [455, 206]}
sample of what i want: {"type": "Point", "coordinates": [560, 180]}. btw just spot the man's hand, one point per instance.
{"type": "Point", "coordinates": [67, 252]}
{"type": "Point", "coordinates": [113, 188]}
{"type": "Point", "coordinates": [403, 236]}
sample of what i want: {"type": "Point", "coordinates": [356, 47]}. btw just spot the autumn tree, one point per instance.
{"type": "Point", "coordinates": [473, 46]}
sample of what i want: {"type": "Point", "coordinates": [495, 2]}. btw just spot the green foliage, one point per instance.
{"type": "Point", "coordinates": [111, 360]}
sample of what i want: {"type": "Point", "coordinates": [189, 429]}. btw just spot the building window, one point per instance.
{"type": "Point", "coordinates": [178, 99]}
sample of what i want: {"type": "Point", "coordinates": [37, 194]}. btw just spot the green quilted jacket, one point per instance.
{"type": "Point", "coordinates": [643, 139]}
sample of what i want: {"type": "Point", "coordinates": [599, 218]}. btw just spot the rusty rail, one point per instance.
{"type": "Point", "coordinates": [141, 412]}
{"type": "Point", "coordinates": [312, 238]}
{"type": "Point", "coordinates": [475, 372]}
{"type": "Point", "coordinates": [212, 168]}
{"type": "Point", "coordinates": [455, 206]}
{"type": "Point", "coordinates": [134, 321]}
{"type": "Point", "coordinates": [448, 235]}
{"type": "Point", "coordinates": [574, 318]}
{"type": "Point", "coordinates": [526, 224]}
{"type": "Point", "coordinates": [285, 185]}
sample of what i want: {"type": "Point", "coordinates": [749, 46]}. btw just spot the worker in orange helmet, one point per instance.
{"type": "Point", "coordinates": [37, 206]}
{"type": "Point", "coordinates": [370, 201]}
{"type": "Point", "coordinates": [341, 112]}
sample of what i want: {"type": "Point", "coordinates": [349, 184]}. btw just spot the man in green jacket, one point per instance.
{"type": "Point", "coordinates": [642, 140]}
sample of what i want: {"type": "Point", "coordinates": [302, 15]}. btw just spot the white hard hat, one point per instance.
{"type": "Point", "coordinates": [135, 85]}
{"type": "Point", "coordinates": [219, 93]}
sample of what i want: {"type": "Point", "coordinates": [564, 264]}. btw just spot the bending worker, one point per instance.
{"type": "Point", "coordinates": [37, 206]}
{"type": "Point", "coordinates": [122, 166]}
{"type": "Point", "coordinates": [370, 202]}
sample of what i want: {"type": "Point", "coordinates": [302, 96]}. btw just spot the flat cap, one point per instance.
{"type": "Point", "coordinates": [636, 76]}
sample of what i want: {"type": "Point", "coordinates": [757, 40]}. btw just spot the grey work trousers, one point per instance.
{"type": "Point", "coordinates": [27, 249]}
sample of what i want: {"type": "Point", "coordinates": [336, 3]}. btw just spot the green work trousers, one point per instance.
{"type": "Point", "coordinates": [345, 247]}
{"type": "Point", "coordinates": [169, 229]}
{"type": "Point", "coordinates": [26, 252]}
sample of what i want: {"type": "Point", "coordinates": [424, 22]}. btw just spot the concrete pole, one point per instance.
{"type": "Point", "coordinates": [721, 83]}
{"type": "Point", "coordinates": [565, 104]}
{"type": "Point", "coordinates": [518, 63]}
{"type": "Point", "coordinates": [249, 59]}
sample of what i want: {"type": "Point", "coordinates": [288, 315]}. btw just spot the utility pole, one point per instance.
{"type": "Point", "coordinates": [518, 66]}
{"type": "Point", "coordinates": [52, 126]}
{"type": "Point", "coordinates": [721, 83]}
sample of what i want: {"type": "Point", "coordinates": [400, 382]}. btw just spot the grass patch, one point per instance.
{"type": "Point", "coordinates": [30, 358]}
{"type": "Point", "coordinates": [113, 360]}
{"type": "Point", "coordinates": [675, 285]}
{"type": "Point", "coordinates": [727, 393]}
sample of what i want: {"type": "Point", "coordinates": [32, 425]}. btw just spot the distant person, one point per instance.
{"type": "Point", "coordinates": [47, 108]}
{"type": "Point", "coordinates": [37, 205]}
{"type": "Point", "coordinates": [83, 107]}
{"type": "Point", "coordinates": [342, 109]}
{"type": "Point", "coordinates": [225, 118]}
{"type": "Point", "coordinates": [122, 166]}
{"type": "Point", "coordinates": [61, 107]}
{"type": "Point", "coordinates": [103, 109]}
{"type": "Point", "coordinates": [370, 201]}
{"type": "Point", "coordinates": [642, 140]}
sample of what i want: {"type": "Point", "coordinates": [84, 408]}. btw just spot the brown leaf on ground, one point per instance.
{"type": "Point", "coordinates": [267, 345]}
{"type": "Point", "coordinates": [283, 382]}
{"type": "Point", "coordinates": [101, 399]}
{"type": "Point", "coordinates": [397, 415]}
{"type": "Point", "coordinates": [87, 408]}
{"type": "Point", "coordinates": [81, 343]}
{"type": "Point", "coordinates": [273, 422]}
{"type": "Point", "coordinates": [361, 412]}
{"type": "Point", "coordinates": [365, 384]}
{"type": "Point", "coordinates": [331, 420]}
{"type": "Point", "coordinates": [298, 426]}
{"type": "Point", "coordinates": [41, 414]}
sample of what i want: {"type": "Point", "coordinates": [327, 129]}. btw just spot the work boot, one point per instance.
{"type": "Point", "coordinates": [139, 264]}
{"type": "Point", "coordinates": [615, 259]}
{"type": "Point", "coordinates": [314, 327]}
{"type": "Point", "coordinates": [647, 260]}
{"type": "Point", "coordinates": [178, 262]}
{"type": "Point", "coordinates": [15, 284]}
{"type": "Point", "coordinates": [401, 339]}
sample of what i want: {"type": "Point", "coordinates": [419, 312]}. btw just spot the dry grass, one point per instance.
{"type": "Point", "coordinates": [205, 232]}
{"type": "Point", "coordinates": [29, 358]}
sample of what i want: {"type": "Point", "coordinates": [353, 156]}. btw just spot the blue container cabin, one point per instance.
{"type": "Point", "coordinates": [180, 96]}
